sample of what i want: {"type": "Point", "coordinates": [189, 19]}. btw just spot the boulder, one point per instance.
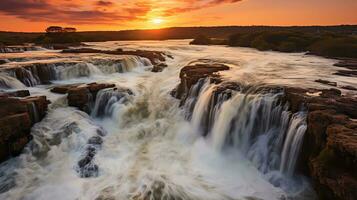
{"type": "Point", "coordinates": [348, 73]}
{"type": "Point", "coordinates": [191, 74]}
{"type": "Point", "coordinates": [17, 93]}
{"type": "Point", "coordinates": [347, 63]}
{"type": "Point", "coordinates": [63, 89]}
{"type": "Point", "coordinates": [326, 82]}
{"type": "Point", "coordinates": [83, 95]}
{"type": "Point", "coordinates": [348, 87]}
{"type": "Point", "coordinates": [17, 115]}
{"type": "Point", "coordinates": [159, 67]}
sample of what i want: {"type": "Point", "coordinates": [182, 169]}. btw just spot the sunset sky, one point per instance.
{"type": "Point", "coordinates": [36, 15]}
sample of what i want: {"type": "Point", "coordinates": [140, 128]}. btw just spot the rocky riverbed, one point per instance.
{"type": "Point", "coordinates": [281, 125]}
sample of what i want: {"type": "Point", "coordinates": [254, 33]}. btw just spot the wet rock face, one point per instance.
{"type": "Point", "coordinates": [159, 67]}
{"type": "Point", "coordinates": [329, 152]}
{"type": "Point", "coordinates": [86, 166]}
{"type": "Point", "coordinates": [350, 64]}
{"type": "Point", "coordinates": [191, 74]}
{"type": "Point", "coordinates": [330, 145]}
{"type": "Point", "coordinates": [17, 115]}
{"type": "Point", "coordinates": [83, 96]}
{"type": "Point", "coordinates": [326, 82]}
{"type": "Point", "coordinates": [17, 49]}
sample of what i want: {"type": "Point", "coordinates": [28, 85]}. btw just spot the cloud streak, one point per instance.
{"type": "Point", "coordinates": [100, 11]}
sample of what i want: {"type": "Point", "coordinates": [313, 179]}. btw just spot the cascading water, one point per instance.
{"type": "Point", "coordinates": [108, 99]}
{"type": "Point", "coordinates": [131, 62]}
{"type": "Point", "coordinates": [27, 77]}
{"type": "Point", "coordinates": [9, 82]}
{"type": "Point", "coordinates": [257, 124]}
{"type": "Point", "coordinates": [142, 146]}
{"type": "Point", "coordinates": [19, 49]}
{"type": "Point", "coordinates": [293, 142]}
{"type": "Point", "coordinates": [34, 112]}
{"type": "Point", "coordinates": [64, 72]}
{"type": "Point", "coordinates": [35, 74]}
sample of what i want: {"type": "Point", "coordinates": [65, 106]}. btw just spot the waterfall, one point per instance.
{"type": "Point", "coordinates": [65, 71]}
{"type": "Point", "coordinates": [29, 78]}
{"type": "Point", "coordinates": [201, 109]}
{"type": "Point", "coordinates": [8, 82]}
{"type": "Point", "coordinates": [131, 62]}
{"type": "Point", "coordinates": [34, 112]}
{"type": "Point", "coordinates": [42, 73]}
{"type": "Point", "coordinates": [257, 124]}
{"type": "Point", "coordinates": [293, 142]}
{"type": "Point", "coordinates": [107, 100]}
{"type": "Point", "coordinates": [18, 49]}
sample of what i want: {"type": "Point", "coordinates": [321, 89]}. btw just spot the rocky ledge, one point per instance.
{"type": "Point", "coordinates": [155, 57]}
{"type": "Point", "coordinates": [18, 113]}
{"type": "Point", "coordinates": [329, 153]}
{"type": "Point", "coordinates": [17, 49]}
{"type": "Point", "coordinates": [330, 145]}
{"type": "Point", "coordinates": [81, 95]}
{"type": "Point", "coordinates": [191, 74]}
{"type": "Point", "coordinates": [350, 66]}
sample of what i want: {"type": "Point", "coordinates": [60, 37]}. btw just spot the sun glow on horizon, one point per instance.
{"type": "Point", "coordinates": [157, 21]}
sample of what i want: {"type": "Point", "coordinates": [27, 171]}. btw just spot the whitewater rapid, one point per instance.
{"type": "Point", "coordinates": [150, 150]}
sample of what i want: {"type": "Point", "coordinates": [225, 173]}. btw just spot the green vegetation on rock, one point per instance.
{"type": "Point", "coordinates": [325, 44]}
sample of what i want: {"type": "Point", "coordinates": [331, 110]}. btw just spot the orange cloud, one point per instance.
{"type": "Point", "coordinates": [100, 11]}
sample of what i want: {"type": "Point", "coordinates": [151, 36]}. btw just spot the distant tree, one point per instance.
{"type": "Point", "coordinates": [69, 30]}
{"type": "Point", "coordinates": [54, 29]}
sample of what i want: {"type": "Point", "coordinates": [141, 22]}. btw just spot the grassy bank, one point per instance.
{"type": "Point", "coordinates": [324, 44]}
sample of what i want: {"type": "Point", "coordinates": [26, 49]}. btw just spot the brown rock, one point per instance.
{"type": "Point", "coordinates": [63, 89]}
{"type": "Point", "coordinates": [326, 82]}
{"type": "Point", "coordinates": [330, 144]}
{"type": "Point", "coordinates": [191, 74]}
{"type": "Point", "coordinates": [348, 73]}
{"type": "Point", "coordinates": [159, 67]}
{"type": "Point", "coordinates": [17, 115]}
{"type": "Point", "coordinates": [347, 63]}
{"type": "Point", "coordinates": [81, 96]}
{"type": "Point", "coordinates": [348, 87]}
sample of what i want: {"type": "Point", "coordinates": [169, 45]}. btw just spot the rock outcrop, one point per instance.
{"type": "Point", "coordinates": [81, 96]}
{"type": "Point", "coordinates": [191, 74]}
{"type": "Point", "coordinates": [62, 46]}
{"type": "Point", "coordinates": [155, 57]}
{"type": "Point", "coordinates": [17, 49]}
{"type": "Point", "coordinates": [350, 65]}
{"type": "Point", "coordinates": [159, 67]}
{"type": "Point", "coordinates": [36, 73]}
{"type": "Point", "coordinates": [329, 153]}
{"type": "Point", "coordinates": [330, 144]}
{"type": "Point", "coordinates": [18, 112]}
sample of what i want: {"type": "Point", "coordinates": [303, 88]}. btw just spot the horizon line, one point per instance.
{"type": "Point", "coordinates": [163, 28]}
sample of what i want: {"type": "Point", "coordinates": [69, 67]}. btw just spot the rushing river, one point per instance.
{"type": "Point", "coordinates": [151, 148]}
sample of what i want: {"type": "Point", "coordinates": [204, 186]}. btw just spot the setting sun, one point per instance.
{"type": "Point", "coordinates": [157, 21]}
{"type": "Point", "coordinates": [178, 99]}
